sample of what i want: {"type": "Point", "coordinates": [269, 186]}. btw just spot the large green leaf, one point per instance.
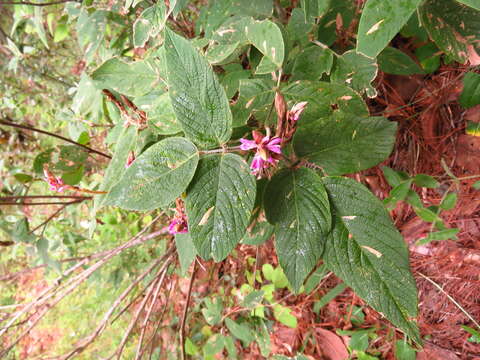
{"type": "Point", "coordinates": [314, 8]}
{"type": "Point", "coordinates": [297, 204]}
{"type": "Point", "coordinates": [472, 3]}
{"type": "Point", "coordinates": [157, 177]}
{"type": "Point", "coordinates": [160, 114]}
{"type": "Point", "coordinates": [470, 95]}
{"type": "Point", "coordinates": [312, 63]}
{"type": "Point", "coordinates": [219, 204]}
{"type": "Point", "coordinates": [339, 14]}
{"type": "Point", "coordinates": [198, 99]}
{"type": "Point", "coordinates": [357, 71]}
{"type": "Point", "coordinates": [267, 37]}
{"type": "Point", "coordinates": [454, 27]}
{"type": "Point", "coordinates": [131, 79]}
{"type": "Point", "coordinates": [324, 99]}
{"type": "Point", "coordinates": [381, 20]}
{"type": "Point", "coordinates": [150, 22]}
{"type": "Point", "coordinates": [345, 143]}
{"type": "Point", "coordinates": [394, 61]}
{"type": "Point", "coordinates": [369, 254]}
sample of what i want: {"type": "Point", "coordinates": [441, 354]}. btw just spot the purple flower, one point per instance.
{"type": "Point", "coordinates": [55, 183]}
{"type": "Point", "coordinates": [178, 225]}
{"type": "Point", "coordinates": [296, 111]}
{"type": "Point", "coordinates": [268, 150]}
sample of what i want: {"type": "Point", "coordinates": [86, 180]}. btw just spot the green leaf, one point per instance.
{"type": "Point", "coordinates": [259, 233]}
{"type": "Point", "coordinates": [131, 79]}
{"type": "Point", "coordinates": [476, 185]}
{"type": "Point", "coordinates": [284, 315]}
{"type": "Point", "coordinates": [399, 193]}
{"type": "Point", "coordinates": [394, 61]}
{"type": "Point", "coordinates": [253, 299]}
{"type": "Point", "coordinates": [475, 338]}
{"type": "Point", "coordinates": [312, 63]}
{"type": "Point", "coordinates": [90, 30]}
{"type": "Point", "coordinates": [186, 251]}
{"type": "Point", "coordinates": [61, 33]}
{"type": "Point", "coordinates": [160, 114]}
{"type": "Point", "coordinates": [21, 232]}
{"type": "Point", "coordinates": [240, 331]}
{"type": "Point", "coordinates": [324, 100]}
{"type": "Point", "coordinates": [255, 98]}
{"type": "Point", "coordinates": [314, 8]}
{"type": "Point", "coordinates": [296, 203]}
{"type": "Point", "coordinates": [267, 37]}
{"type": "Point", "coordinates": [454, 27]}
{"type": "Point", "coordinates": [213, 311]}
{"type": "Point", "coordinates": [403, 351]}
{"type": "Point", "coordinates": [329, 296]}
{"type": "Point", "coordinates": [262, 337]}
{"type": "Point", "coordinates": [125, 144]}
{"type": "Point", "coordinates": [393, 177]}
{"type": "Point", "coordinates": [149, 24]}
{"type": "Point", "coordinates": [70, 158]}
{"type": "Point", "coordinates": [231, 81]}
{"type": "Point", "coordinates": [427, 215]}
{"type": "Point", "coordinates": [470, 95]}
{"type": "Point", "coordinates": [345, 144]}
{"type": "Point", "coordinates": [380, 22]}
{"type": "Point", "coordinates": [219, 204]}
{"type": "Point", "coordinates": [357, 71]}
{"type": "Point", "coordinates": [198, 99]}
{"type": "Point", "coordinates": [441, 235]}
{"type": "Point", "coordinates": [369, 254]}
{"type": "Point", "coordinates": [472, 3]}
{"type": "Point", "coordinates": [157, 177]}
{"type": "Point", "coordinates": [213, 346]}
{"type": "Point", "coordinates": [426, 181]}
{"type": "Point", "coordinates": [449, 201]}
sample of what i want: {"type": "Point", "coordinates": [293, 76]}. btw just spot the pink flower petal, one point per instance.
{"type": "Point", "coordinates": [247, 144]}
{"type": "Point", "coordinates": [257, 163]}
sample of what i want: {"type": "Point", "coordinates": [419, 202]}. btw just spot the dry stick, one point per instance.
{"type": "Point", "coordinates": [89, 149]}
{"type": "Point", "coordinates": [451, 299]}
{"type": "Point", "coordinates": [40, 203]}
{"type": "Point", "coordinates": [103, 324]}
{"type": "Point", "coordinates": [50, 218]}
{"type": "Point", "coordinates": [185, 311]}
{"type": "Point", "coordinates": [147, 316]}
{"type": "Point", "coordinates": [162, 272]}
{"type": "Point", "coordinates": [152, 338]}
{"type": "Point", "coordinates": [106, 256]}
{"type": "Point", "coordinates": [45, 197]}
{"type": "Point", "coordinates": [35, 4]}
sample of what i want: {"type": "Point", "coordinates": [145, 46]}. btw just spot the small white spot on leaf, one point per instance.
{"type": "Point", "coordinates": [375, 27]}
{"type": "Point", "coordinates": [205, 217]}
{"type": "Point", "coordinates": [377, 253]}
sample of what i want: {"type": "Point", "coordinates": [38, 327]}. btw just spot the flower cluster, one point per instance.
{"type": "Point", "coordinates": [178, 225]}
{"type": "Point", "coordinates": [268, 151]}
{"type": "Point", "coordinates": [55, 183]}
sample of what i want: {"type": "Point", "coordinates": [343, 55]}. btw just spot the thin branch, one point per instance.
{"type": "Point", "coordinates": [11, 203]}
{"type": "Point", "coordinates": [25, 127]}
{"type": "Point", "coordinates": [185, 311]}
{"type": "Point", "coordinates": [148, 314]}
{"type": "Point", "coordinates": [103, 324]}
{"type": "Point", "coordinates": [451, 299]}
{"type": "Point", "coordinates": [35, 3]}
{"type": "Point", "coordinates": [50, 218]}
{"type": "Point", "coordinates": [45, 197]}
{"type": "Point", "coordinates": [162, 272]}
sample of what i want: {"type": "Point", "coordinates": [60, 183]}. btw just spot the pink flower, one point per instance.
{"type": "Point", "coordinates": [296, 111]}
{"type": "Point", "coordinates": [267, 150]}
{"type": "Point", "coordinates": [178, 225]}
{"type": "Point", "coordinates": [55, 183]}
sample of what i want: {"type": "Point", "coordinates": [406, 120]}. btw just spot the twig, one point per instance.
{"type": "Point", "coordinates": [25, 127]}
{"type": "Point", "coordinates": [12, 203]}
{"type": "Point", "coordinates": [50, 218]}
{"type": "Point", "coordinates": [148, 314]}
{"type": "Point", "coordinates": [45, 197]}
{"type": "Point", "coordinates": [451, 299]}
{"type": "Point", "coordinates": [35, 3]}
{"type": "Point", "coordinates": [185, 311]}
{"type": "Point", "coordinates": [103, 324]}
{"type": "Point", "coordinates": [162, 272]}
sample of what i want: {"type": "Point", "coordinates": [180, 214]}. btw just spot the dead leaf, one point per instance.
{"type": "Point", "coordinates": [331, 345]}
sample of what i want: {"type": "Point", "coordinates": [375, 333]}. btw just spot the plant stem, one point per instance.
{"type": "Point", "coordinates": [185, 311]}
{"type": "Point", "coordinates": [25, 127]}
{"type": "Point", "coordinates": [35, 3]}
